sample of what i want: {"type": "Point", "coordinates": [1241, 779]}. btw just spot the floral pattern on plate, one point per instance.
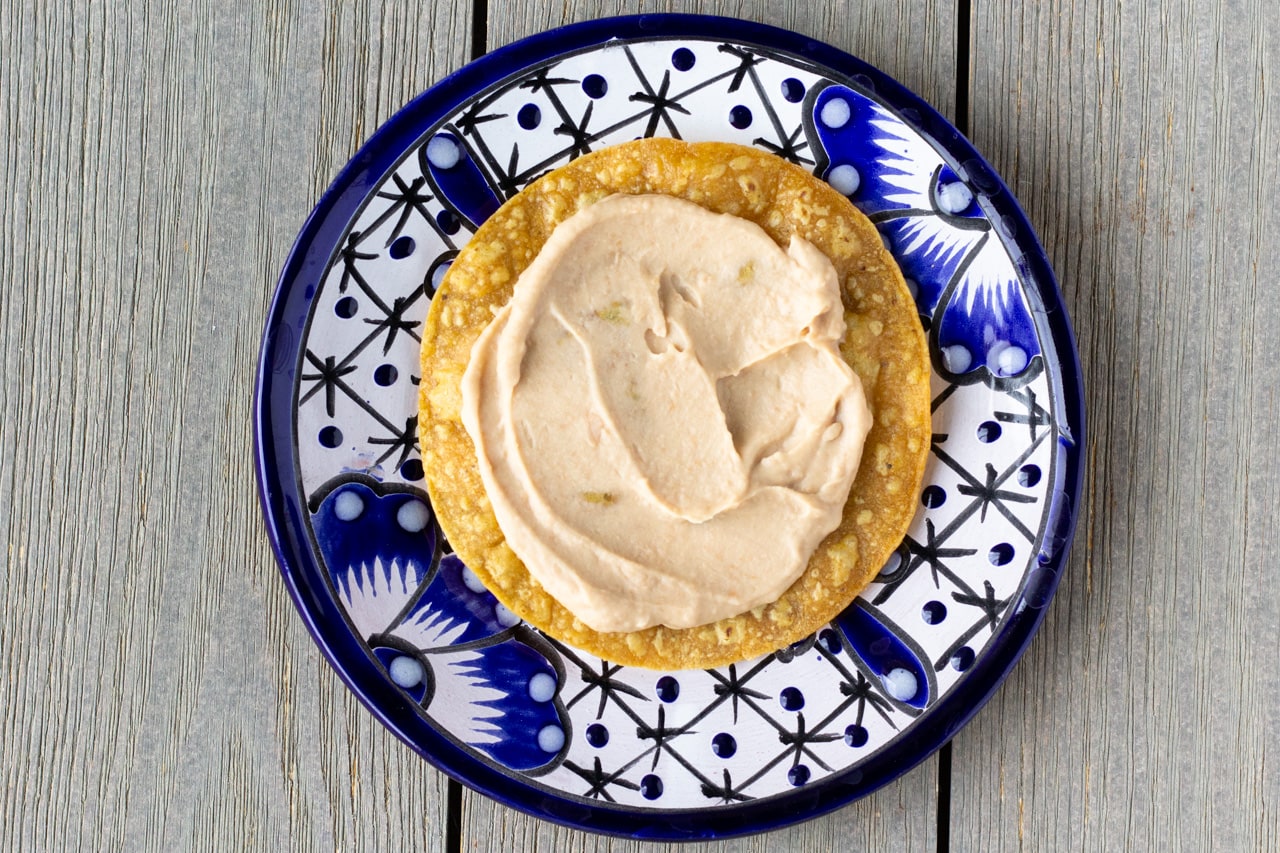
{"type": "Point", "coordinates": [552, 717]}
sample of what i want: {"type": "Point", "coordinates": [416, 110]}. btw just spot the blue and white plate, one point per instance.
{"type": "Point", "coordinates": [548, 728]}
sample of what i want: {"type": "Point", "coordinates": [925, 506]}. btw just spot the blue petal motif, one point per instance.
{"type": "Point", "coordinates": [378, 543]}
{"type": "Point", "coordinates": [984, 324]}
{"type": "Point", "coordinates": [418, 692]}
{"type": "Point", "coordinates": [507, 696]}
{"type": "Point", "coordinates": [848, 129]}
{"type": "Point", "coordinates": [489, 682]}
{"type": "Point", "coordinates": [455, 608]}
{"type": "Point", "coordinates": [961, 275]}
{"type": "Point", "coordinates": [447, 163]}
{"type": "Point", "coordinates": [880, 645]}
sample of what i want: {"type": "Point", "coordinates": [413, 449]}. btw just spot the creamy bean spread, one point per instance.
{"type": "Point", "coordinates": [663, 422]}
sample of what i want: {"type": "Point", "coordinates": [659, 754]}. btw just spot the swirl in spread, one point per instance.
{"type": "Point", "coordinates": [663, 422]}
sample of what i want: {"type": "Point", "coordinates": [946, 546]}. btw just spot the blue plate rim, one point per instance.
{"type": "Point", "coordinates": [287, 529]}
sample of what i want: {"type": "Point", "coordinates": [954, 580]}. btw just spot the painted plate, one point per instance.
{"type": "Point", "coordinates": [547, 728]}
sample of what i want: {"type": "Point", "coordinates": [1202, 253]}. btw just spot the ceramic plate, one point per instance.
{"type": "Point", "coordinates": [548, 728]}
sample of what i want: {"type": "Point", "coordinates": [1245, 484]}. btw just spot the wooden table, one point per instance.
{"type": "Point", "coordinates": [160, 692]}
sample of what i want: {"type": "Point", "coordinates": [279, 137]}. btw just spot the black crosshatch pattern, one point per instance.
{"type": "Point", "coordinates": [985, 487]}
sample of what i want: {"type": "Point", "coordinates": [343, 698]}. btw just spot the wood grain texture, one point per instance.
{"type": "Point", "coordinates": [900, 817]}
{"type": "Point", "coordinates": [1141, 137]}
{"type": "Point", "coordinates": [914, 42]}
{"type": "Point", "coordinates": [160, 692]}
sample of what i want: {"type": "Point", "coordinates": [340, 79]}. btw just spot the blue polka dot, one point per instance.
{"type": "Point", "coordinates": [798, 775]}
{"type": "Point", "coordinates": [411, 470]}
{"type": "Point", "coordinates": [550, 738]}
{"type": "Point", "coordinates": [348, 506]}
{"type": "Point", "coordinates": [933, 612]}
{"type": "Point", "coordinates": [402, 247]}
{"type": "Point", "coordinates": [529, 116]}
{"type": "Point", "coordinates": [597, 735]}
{"type": "Point", "coordinates": [448, 221]}
{"type": "Point", "coordinates": [651, 787]}
{"type": "Point", "coordinates": [988, 431]}
{"type": "Point", "coordinates": [830, 641]}
{"type": "Point", "coordinates": [740, 117]}
{"type": "Point", "coordinates": [792, 89]}
{"type": "Point", "coordinates": [668, 689]}
{"type": "Point", "coordinates": [855, 736]}
{"type": "Point", "coordinates": [346, 307]}
{"type": "Point", "coordinates": [962, 659]}
{"type": "Point", "coordinates": [542, 687]}
{"type": "Point", "coordinates": [791, 699]}
{"type": "Point", "coordinates": [683, 59]}
{"type": "Point", "coordinates": [595, 86]}
{"type": "Point", "coordinates": [412, 517]}
{"type": "Point", "coordinates": [723, 745]}
{"type": "Point", "coordinates": [406, 671]}
{"type": "Point", "coordinates": [1029, 475]}
{"type": "Point", "coordinates": [331, 436]}
{"type": "Point", "coordinates": [386, 374]}
{"type": "Point", "coordinates": [933, 497]}
{"type": "Point", "coordinates": [1001, 555]}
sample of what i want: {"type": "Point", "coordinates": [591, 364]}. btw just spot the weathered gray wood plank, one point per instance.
{"type": "Point", "coordinates": [898, 817]}
{"type": "Point", "coordinates": [160, 692]}
{"type": "Point", "coordinates": [1142, 139]}
{"type": "Point", "coordinates": [915, 42]}
{"type": "Point", "coordinates": [912, 41]}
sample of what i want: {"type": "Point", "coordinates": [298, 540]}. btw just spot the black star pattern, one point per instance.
{"type": "Point", "coordinates": [660, 106]}
{"type": "Point", "coordinates": [351, 254]}
{"type": "Point", "coordinates": [405, 441]}
{"type": "Point", "coordinates": [860, 690]}
{"type": "Point", "coordinates": [725, 793]}
{"type": "Point", "coordinates": [991, 608]}
{"type": "Point", "coordinates": [475, 115]}
{"type": "Point", "coordinates": [788, 147]}
{"type": "Point", "coordinates": [394, 322]}
{"type": "Point", "coordinates": [508, 182]}
{"type": "Point", "coordinates": [1034, 416]}
{"type": "Point", "coordinates": [604, 681]}
{"type": "Point", "coordinates": [599, 781]}
{"type": "Point", "coordinates": [735, 688]}
{"type": "Point", "coordinates": [797, 741]}
{"type": "Point", "coordinates": [577, 132]}
{"type": "Point", "coordinates": [541, 81]}
{"type": "Point", "coordinates": [987, 494]}
{"type": "Point", "coordinates": [407, 199]}
{"type": "Point", "coordinates": [329, 379]}
{"type": "Point", "coordinates": [987, 602]}
{"type": "Point", "coordinates": [747, 62]}
{"type": "Point", "coordinates": [660, 735]}
{"type": "Point", "coordinates": [930, 553]}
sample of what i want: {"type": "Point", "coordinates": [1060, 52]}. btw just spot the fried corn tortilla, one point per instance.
{"type": "Point", "coordinates": [884, 344]}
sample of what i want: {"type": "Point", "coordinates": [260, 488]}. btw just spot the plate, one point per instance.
{"type": "Point", "coordinates": [550, 729]}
